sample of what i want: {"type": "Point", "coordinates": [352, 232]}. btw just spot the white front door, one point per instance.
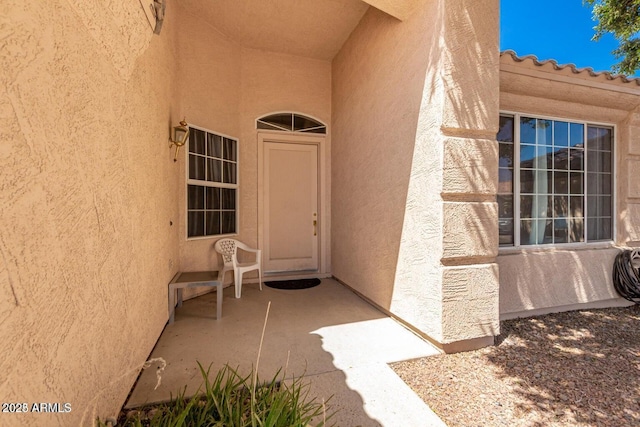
{"type": "Point", "coordinates": [291, 220]}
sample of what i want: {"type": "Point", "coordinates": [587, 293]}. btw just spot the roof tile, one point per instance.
{"type": "Point", "coordinates": [610, 76]}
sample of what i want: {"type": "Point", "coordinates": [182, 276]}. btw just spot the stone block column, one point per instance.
{"type": "Point", "coordinates": [469, 273]}
{"type": "Point", "coordinates": [628, 166]}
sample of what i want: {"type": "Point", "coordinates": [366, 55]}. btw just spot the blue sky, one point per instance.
{"type": "Point", "coordinates": [554, 29]}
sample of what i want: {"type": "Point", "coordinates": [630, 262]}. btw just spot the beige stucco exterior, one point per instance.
{"type": "Point", "coordinates": [92, 219]}
{"type": "Point", "coordinates": [93, 211]}
{"type": "Point", "coordinates": [397, 190]}
{"type": "Point", "coordinates": [87, 190]}
{"type": "Point", "coordinates": [535, 282]}
{"type": "Point", "coordinates": [538, 280]}
{"type": "Point", "coordinates": [231, 87]}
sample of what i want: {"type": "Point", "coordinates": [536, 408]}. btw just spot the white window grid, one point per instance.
{"type": "Point", "coordinates": [213, 184]}
{"type": "Point", "coordinates": [267, 123]}
{"type": "Point", "coordinates": [585, 191]}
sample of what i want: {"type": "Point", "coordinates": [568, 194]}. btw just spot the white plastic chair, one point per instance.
{"type": "Point", "coordinates": [228, 248]}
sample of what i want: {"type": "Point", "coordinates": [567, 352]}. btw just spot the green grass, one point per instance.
{"type": "Point", "coordinates": [231, 400]}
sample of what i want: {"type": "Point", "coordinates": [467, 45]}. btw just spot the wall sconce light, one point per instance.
{"type": "Point", "coordinates": [158, 11]}
{"type": "Point", "coordinates": [154, 10]}
{"type": "Point", "coordinates": [180, 136]}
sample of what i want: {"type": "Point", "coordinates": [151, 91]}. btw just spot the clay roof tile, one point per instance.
{"type": "Point", "coordinates": [560, 67]}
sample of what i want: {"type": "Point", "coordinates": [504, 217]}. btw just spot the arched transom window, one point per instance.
{"type": "Point", "coordinates": [291, 122]}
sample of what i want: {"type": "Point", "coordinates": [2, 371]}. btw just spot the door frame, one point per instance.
{"type": "Point", "coordinates": [323, 213]}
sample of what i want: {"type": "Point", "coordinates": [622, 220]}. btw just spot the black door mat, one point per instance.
{"type": "Point", "coordinates": [293, 284]}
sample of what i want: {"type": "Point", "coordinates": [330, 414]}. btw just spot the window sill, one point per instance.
{"type": "Point", "coordinates": [569, 247]}
{"type": "Point", "coordinates": [217, 236]}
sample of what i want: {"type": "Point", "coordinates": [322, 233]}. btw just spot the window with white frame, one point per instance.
{"type": "Point", "coordinates": [290, 122]}
{"type": "Point", "coordinates": [212, 184]}
{"type": "Point", "coordinates": [555, 181]}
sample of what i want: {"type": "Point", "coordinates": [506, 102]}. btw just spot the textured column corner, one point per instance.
{"type": "Point", "coordinates": [470, 232]}
{"type": "Point", "coordinates": [633, 212]}
{"type": "Point", "coordinates": [634, 180]}
{"type": "Point", "coordinates": [634, 140]}
{"type": "Point", "coordinates": [470, 303]}
{"type": "Point", "coordinates": [471, 67]}
{"type": "Point", "coordinates": [633, 122]}
{"type": "Point", "coordinates": [470, 168]}
{"type": "Point", "coordinates": [470, 112]}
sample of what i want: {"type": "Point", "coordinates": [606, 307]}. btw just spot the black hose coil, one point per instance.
{"type": "Point", "coordinates": [626, 275]}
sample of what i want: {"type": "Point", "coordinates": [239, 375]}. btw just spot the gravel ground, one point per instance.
{"type": "Point", "coordinates": [580, 368]}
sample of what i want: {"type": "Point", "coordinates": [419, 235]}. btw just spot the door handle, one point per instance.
{"type": "Point", "coordinates": [315, 225]}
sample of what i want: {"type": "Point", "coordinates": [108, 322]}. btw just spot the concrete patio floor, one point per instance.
{"type": "Point", "coordinates": [341, 345]}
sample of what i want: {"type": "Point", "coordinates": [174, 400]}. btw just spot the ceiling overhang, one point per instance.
{"type": "Point", "coordinates": [399, 9]}
{"type": "Point", "coordinates": [312, 29]}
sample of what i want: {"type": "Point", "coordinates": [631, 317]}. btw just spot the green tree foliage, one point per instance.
{"type": "Point", "coordinates": [621, 18]}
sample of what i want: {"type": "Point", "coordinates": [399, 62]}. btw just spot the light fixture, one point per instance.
{"type": "Point", "coordinates": [158, 7]}
{"type": "Point", "coordinates": [180, 136]}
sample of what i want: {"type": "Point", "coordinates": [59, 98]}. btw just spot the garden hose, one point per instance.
{"type": "Point", "coordinates": [626, 275]}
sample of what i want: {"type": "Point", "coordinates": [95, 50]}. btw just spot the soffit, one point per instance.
{"type": "Point", "coordinates": [547, 79]}
{"type": "Point", "coordinates": [400, 9]}
{"type": "Point", "coordinates": [309, 28]}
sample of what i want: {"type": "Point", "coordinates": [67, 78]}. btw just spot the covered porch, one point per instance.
{"type": "Point", "coordinates": [340, 344]}
{"type": "Point", "coordinates": [97, 214]}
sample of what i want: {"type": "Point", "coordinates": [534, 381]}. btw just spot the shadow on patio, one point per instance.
{"type": "Point", "coordinates": [340, 343]}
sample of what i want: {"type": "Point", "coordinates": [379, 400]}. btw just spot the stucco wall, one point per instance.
{"type": "Point", "coordinates": [629, 202]}
{"type": "Point", "coordinates": [225, 87]}
{"type": "Point", "coordinates": [534, 280]}
{"type": "Point", "coordinates": [470, 161]}
{"type": "Point", "coordinates": [209, 96]}
{"type": "Point", "coordinates": [408, 105]}
{"type": "Point", "coordinates": [378, 91]}
{"type": "Point", "coordinates": [554, 280]}
{"type": "Point", "coordinates": [275, 82]}
{"type": "Point", "coordinates": [87, 190]}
